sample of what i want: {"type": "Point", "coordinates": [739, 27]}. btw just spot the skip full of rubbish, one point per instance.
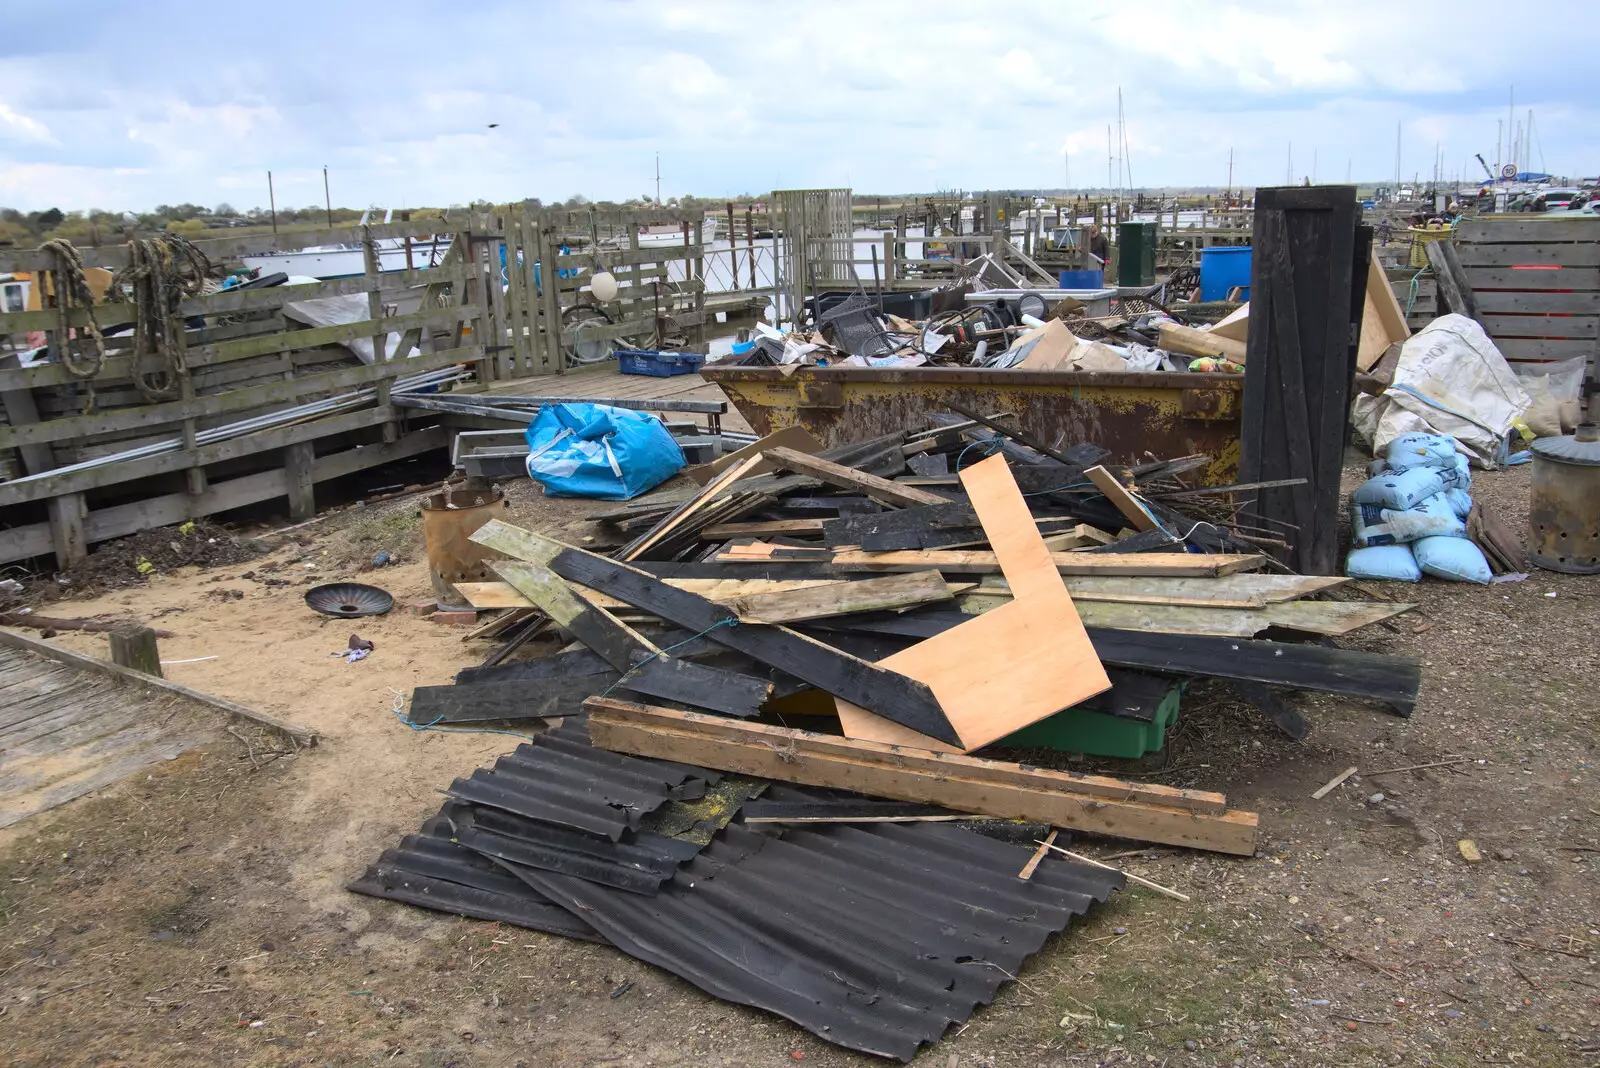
{"type": "Point", "coordinates": [998, 322]}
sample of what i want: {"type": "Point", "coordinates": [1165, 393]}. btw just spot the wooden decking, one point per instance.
{"type": "Point", "coordinates": [65, 731]}
{"type": "Point", "coordinates": [607, 381]}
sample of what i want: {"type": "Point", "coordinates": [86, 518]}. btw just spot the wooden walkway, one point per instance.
{"type": "Point", "coordinates": [65, 732]}
{"type": "Point", "coordinates": [607, 381]}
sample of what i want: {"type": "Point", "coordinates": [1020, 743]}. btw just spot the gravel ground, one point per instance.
{"type": "Point", "coordinates": [179, 921]}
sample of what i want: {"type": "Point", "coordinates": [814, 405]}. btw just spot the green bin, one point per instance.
{"type": "Point", "coordinates": [1136, 253]}
{"type": "Point", "coordinates": [1087, 729]}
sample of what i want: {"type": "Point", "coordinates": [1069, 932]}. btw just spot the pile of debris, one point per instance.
{"type": "Point", "coordinates": [1028, 329]}
{"type": "Point", "coordinates": [910, 619]}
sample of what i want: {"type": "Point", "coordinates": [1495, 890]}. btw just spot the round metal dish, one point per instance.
{"type": "Point", "coordinates": [348, 600]}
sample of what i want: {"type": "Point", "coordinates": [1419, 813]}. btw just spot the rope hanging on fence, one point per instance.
{"type": "Point", "coordinates": [162, 271]}
{"type": "Point", "coordinates": [72, 288]}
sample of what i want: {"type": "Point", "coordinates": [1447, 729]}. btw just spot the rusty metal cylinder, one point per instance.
{"type": "Point", "coordinates": [1564, 508]}
{"type": "Point", "coordinates": [448, 521]}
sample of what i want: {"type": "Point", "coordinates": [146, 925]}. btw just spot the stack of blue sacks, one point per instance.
{"type": "Point", "coordinates": [1409, 518]}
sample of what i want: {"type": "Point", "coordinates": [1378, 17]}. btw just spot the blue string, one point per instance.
{"type": "Point", "coordinates": [994, 445]}
{"type": "Point", "coordinates": [729, 622]}
{"type": "Point", "coordinates": [399, 714]}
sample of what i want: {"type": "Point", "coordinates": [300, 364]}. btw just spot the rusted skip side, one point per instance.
{"type": "Point", "coordinates": [1133, 415]}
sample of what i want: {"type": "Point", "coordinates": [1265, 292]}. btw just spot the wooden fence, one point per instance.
{"type": "Point", "coordinates": [263, 407]}
{"type": "Point", "coordinates": [1537, 284]}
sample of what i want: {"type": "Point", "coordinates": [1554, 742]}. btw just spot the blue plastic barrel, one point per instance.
{"type": "Point", "coordinates": [1083, 279]}
{"type": "Point", "coordinates": [1223, 268]}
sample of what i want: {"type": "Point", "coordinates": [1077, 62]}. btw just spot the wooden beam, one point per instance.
{"type": "Point", "coordinates": [1191, 342]}
{"type": "Point", "coordinates": [893, 592]}
{"type": "Point", "coordinates": [298, 460]}
{"type": "Point", "coordinates": [987, 787]}
{"type": "Point", "coordinates": [1452, 280]}
{"type": "Point", "coordinates": [879, 489]}
{"type": "Point", "coordinates": [1132, 509]}
{"type": "Point", "coordinates": [645, 668]}
{"type": "Point", "coordinates": [970, 562]}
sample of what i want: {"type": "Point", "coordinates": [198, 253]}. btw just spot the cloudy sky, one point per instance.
{"type": "Point", "coordinates": [127, 105]}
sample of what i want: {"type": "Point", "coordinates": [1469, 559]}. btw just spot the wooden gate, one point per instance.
{"type": "Point", "coordinates": [1537, 284]}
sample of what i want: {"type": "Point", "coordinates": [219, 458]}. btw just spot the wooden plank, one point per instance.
{"type": "Point", "coordinates": [1540, 254]}
{"type": "Point", "coordinates": [1547, 326]}
{"type": "Point", "coordinates": [525, 699]}
{"type": "Point", "coordinates": [796, 437]}
{"type": "Point", "coordinates": [843, 598]}
{"type": "Point", "coordinates": [1329, 618]}
{"type": "Point", "coordinates": [1500, 229]}
{"type": "Point", "coordinates": [645, 668]}
{"type": "Point", "coordinates": [1243, 590]}
{"type": "Point", "coordinates": [879, 489]}
{"type": "Point", "coordinates": [644, 257]}
{"type": "Point", "coordinates": [680, 517]}
{"type": "Point", "coordinates": [728, 531]}
{"type": "Point", "coordinates": [155, 415]}
{"type": "Point", "coordinates": [1132, 509]}
{"type": "Point", "coordinates": [814, 662]}
{"type": "Point", "coordinates": [1453, 285]}
{"type": "Point", "coordinates": [1191, 342]}
{"type": "Point", "coordinates": [1382, 321]}
{"type": "Point", "coordinates": [972, 562]}
{"type": "Point", "coordinates": [1578, 279]}
{"type": "Point", "coordinates": [1549, 349]}
{"type": "Point", "coordinates": [493, 595]}
{"type": "Point", "coordinates": [1502, 302]}
{"type": "Point", "coordinates": [959, 782]}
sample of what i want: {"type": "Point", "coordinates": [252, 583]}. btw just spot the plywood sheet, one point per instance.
{"type": "Point", "coordinates": [1011, 666]}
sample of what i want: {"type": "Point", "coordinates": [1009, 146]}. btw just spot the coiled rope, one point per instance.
{"type": "Point", "coordinates": [87, 356]}
{"type": "Point", "coordinates": [162, 271]}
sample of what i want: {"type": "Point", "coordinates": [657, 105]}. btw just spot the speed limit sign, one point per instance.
{"type": "Point", "coordinates": [1508, 171]}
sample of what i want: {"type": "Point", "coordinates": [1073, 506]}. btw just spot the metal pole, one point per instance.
{"type": "Point", "coordinates": [327, 199]}
{"type": "Point", "coordinates": [272, 203]}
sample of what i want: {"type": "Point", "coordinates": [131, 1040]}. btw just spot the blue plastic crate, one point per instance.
{"type": "Point", "coordinates": [658, 364]}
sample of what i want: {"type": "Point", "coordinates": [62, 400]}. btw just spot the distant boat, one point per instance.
{"type": "Point", "coordinates": [670, 235]}
{"type": "Point", "coordinates": [344, 261]}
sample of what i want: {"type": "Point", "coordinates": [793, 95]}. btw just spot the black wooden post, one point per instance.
{"type": "Point", "coordinates": [1305, 324]}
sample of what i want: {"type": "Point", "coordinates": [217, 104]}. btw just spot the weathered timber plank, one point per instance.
{"type": "Point", "coordinates": [1542, 326]}
{"type": "Point", "coordinates": [842, 598]}
{"type": "Point", "coordinates": [959, 782]}
{"type": "Point", "coordinates": [1580, 279]}
{"type": "Point", "coordinates": [1499, 230]}
{"type": "Point", "coordinates": [1539, 254]}
{"type": "Point", "coordinates": [879, 489]}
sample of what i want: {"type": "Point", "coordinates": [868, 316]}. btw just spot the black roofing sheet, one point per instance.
{"type": "Point", "coordinates": [876, 938]}
{"type": "Point", "coordinates": [639, 861]}
{"type": "Point", "coordinates": [561, 779]}
{"type": "Point", "coordinates": [432, 872]}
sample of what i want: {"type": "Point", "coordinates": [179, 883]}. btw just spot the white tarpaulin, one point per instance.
{"type": "Point", "coordinates": [1451, 380]}
{"type": "Point", "coordinates": [335, 311]}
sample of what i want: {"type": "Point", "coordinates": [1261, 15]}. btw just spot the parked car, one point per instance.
{"type": "Point", "coordinates": [1553, 199]}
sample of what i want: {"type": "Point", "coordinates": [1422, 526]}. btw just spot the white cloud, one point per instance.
{"type": "Point", "coordinates": [738, 96]}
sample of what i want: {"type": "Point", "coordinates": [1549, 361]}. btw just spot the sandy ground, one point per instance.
{"type": "Point", "coordinates": [197, 916]}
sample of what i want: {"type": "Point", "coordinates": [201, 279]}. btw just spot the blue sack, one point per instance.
{"type": "Point", "coordinates": [594, 450]}
{"type": "Point", "coordinates": [1392, 563]}
{"type": "Point", "coordinates": [1452, 558]}
{"type": "Point", "coordinates": [1402, 491]}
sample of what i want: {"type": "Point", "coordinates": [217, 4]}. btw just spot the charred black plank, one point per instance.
{"type": "Point", "coordinates": [889, 694]}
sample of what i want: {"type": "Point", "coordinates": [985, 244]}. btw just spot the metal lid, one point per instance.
{"type": "Point", "coordinates": [1581, 448]}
